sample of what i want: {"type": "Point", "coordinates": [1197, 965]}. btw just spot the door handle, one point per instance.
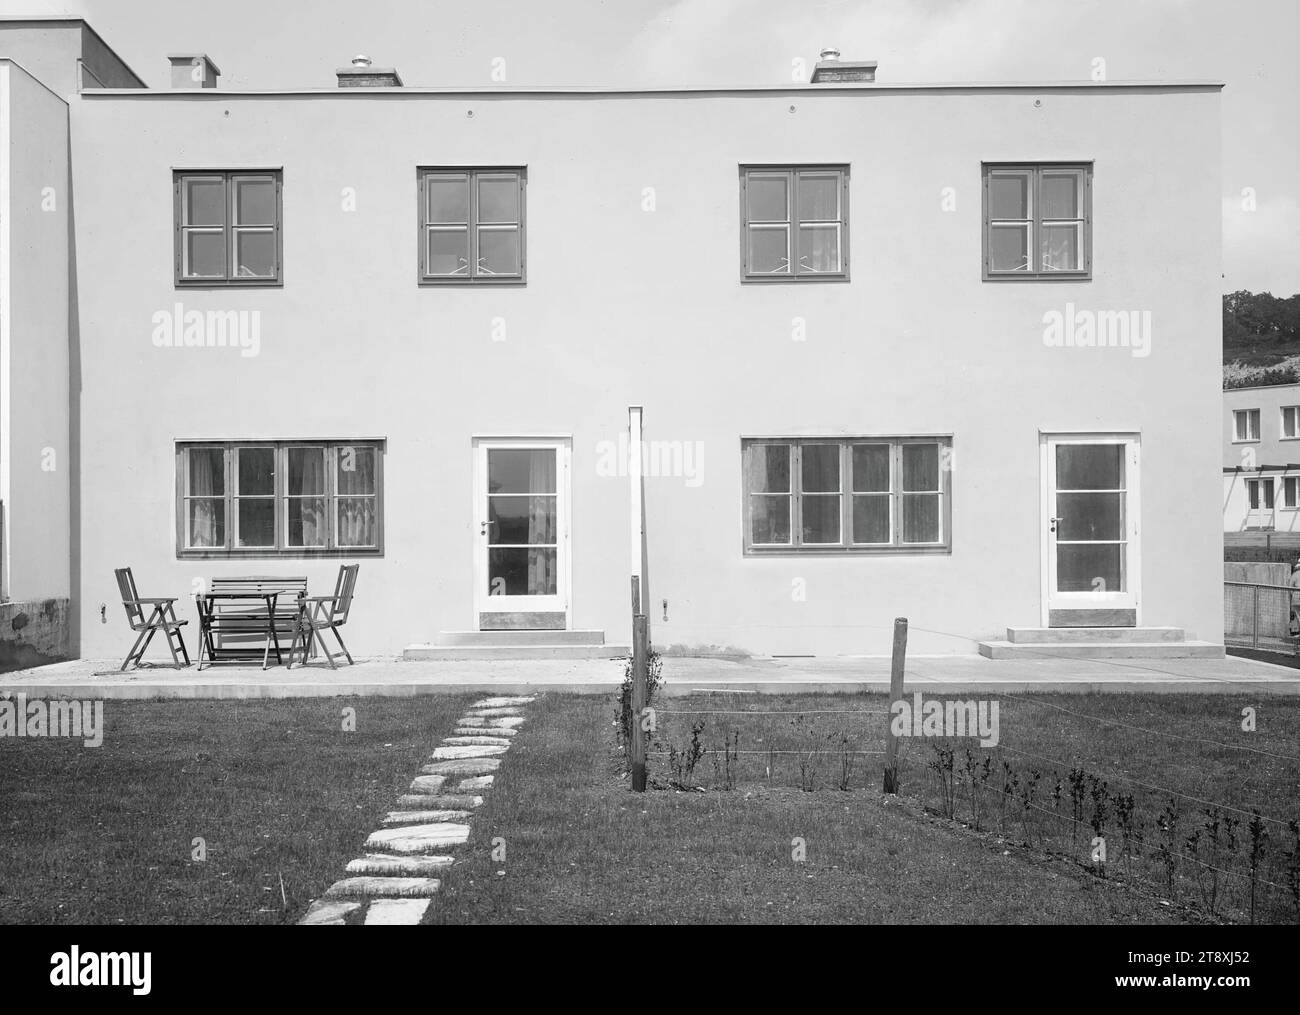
{"type": "Point", "coordinates": [483, 526]}
{"type": "Point", "coordinates": [1054, 521]}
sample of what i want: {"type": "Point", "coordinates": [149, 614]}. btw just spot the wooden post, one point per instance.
{"type": "Point", "coordinates": [639, 663]}
{"type": "Point", "coordinates": [895, 694]}
{"type": "Point", "coordinates": [636, 597]}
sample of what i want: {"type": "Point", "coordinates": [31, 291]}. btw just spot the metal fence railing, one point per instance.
{"type": "Point", "coordinates": [1258, 616]}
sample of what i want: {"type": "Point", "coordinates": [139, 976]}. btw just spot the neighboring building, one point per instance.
{"type": "Point", "coordinates": [1261, 459]}
{"type": "Point", "coordinates": [935, 351]}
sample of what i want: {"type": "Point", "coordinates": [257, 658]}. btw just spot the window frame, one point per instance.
{"type": "Point", "coordinates": [1290, 492]}
{"type": "Point", "coordinates": [1035, 222]}
{"type": "Point", "coordinates": [792, 172]}
{"type": "Point", "coordinates": [1295, 419]}
{"type": "Point", "coordinates": [472, 174]}
{"type": "Point", "coordinates": [1251, 415]}
{"type": "Point", "coordinates": [280, 499]}
{"type": "Point", "coordinates": [229, 178]}
{"type": "Point", "coordinates": [895, 494]}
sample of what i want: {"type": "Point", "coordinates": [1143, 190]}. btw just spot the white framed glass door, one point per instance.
{"type": "Point", "coordinates": [1261, 503]}
{"type": "Point", "coordinates": [521, 531]}
{"type": "Point", "coordinates": [1091, 553]}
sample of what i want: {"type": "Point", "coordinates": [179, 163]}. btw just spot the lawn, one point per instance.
{"type": "Point", "coordinates": [579, 846]}
{"type": "Point", "coordinates": [277, 790]}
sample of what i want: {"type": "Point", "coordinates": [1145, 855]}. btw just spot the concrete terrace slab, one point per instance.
{"type": "Point", "coordinates": [683, 676]}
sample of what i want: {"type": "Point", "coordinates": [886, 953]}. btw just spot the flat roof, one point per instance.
{"type": "Point", "coordinates": [18, 19]}
{"type": "Point", "coordinates": [828, 88]}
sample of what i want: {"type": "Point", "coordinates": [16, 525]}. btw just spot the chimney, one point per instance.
{"type": "Point", "coordinates": [193, 70]}
{"type": "Point", "coordinates": [362, 75]}
{"type": "Point", "coordinates": [830, 70]}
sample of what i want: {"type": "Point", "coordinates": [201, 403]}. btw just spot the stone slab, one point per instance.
{"type": "Point", "coordinates": [328, 913]}
{"type": "Point", "coordinates": [478, 782]}
{"type": "Point", "coordinates": [390, 864]}
{"type": "Point", "coordinates": [483, 731]}
{"type": "Point", "coordinates": [427, 783]}
{"type": "Point", "coordinates": [463, 766]}
{"type": "Point", "coordinates": [479, 741]}
{"type": "Point", "coordinates": [466, 751]}
{"type": "Point", "coordinates": [504, 702]}
{"type": "Point", "coordinates": [494, 713]}
{"type": "Point", "coordinates": [396, 912]}
{"type": "Point", "coordinates": [447, 801]}
{"type": "Point", "coordinates": [423, 817]}
{"type": "Point", "coordinates": [368, 887]}
{"type": "Point", "coordinates": [418, 838]}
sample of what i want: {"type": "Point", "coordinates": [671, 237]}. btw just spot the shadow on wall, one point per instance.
{"type": "Point", "coordinates": [34, 634]}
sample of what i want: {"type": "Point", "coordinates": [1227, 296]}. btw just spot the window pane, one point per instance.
{"type": "Point", "coordinates": [256, 521]}
{"type": "Point", "coordinates": [521, 470]}
{"type": "Point", "coordinates": [256, 471]}
{"type": "Point", "coordinates": [819, 248]}
{"type": "Point", "coordinates": [1009, 248]}
{"type": "Point", "coordinates": [307, 520]}
{"type": "Point", "coordinates": [255, 255]}
{"type": "Point", "coordinates": [821, 518]}
{"type": "Point", "coordinates": [1289, 491]}
{"type": "Point", "coordinates": [819, 197]}
{"type": "Point", "coordinates": [1288, 422]}
{"type": "Point", "coordinates": [821, 468]}
{"type": "Point", "coordinates": [1252, 487]}
{"type": "Point", "coordinates": [356, 470]}
{"type": "Point", "coordinates": [1060, 196]}
{"type": "Point", "coordinates": [523, 571]}
{"type": "Point", "coordinates": [1239, 418]}
{"type": "Point", "coordinates": [1253, 425]}
{"type": "Point", "coordinates": [1090, 467]}
{"type": "Point", "coordinates": [498, 199]}
{"type": "Point", "coordinates": [498, 251]}
{"type": "Point", "coordinates": [207, 522]}
{"type": "Point", "coordinates": [769, 250]}
{"type": "Point", "coordinates": [254, 203]}
{"type": "Point", "coordinates": [767, 199]}
{"type": "Point", "coordinates": [1061, 248]}
{"type": "Point", "coordinates": [448, 199]}
{"type": "Point", "coordinates": [207, 472]}
{"type": "Point", "coordinates": [448, 252]}
{"type": "Point", "coordinates": [205, 203]}
{"type": "Point", "coordinates": [306, 471]}
{"type": "Point", "coordinates": [921, 518]}
{"type": "Point", "coordinates": [1268, 493]}
{"type": "Point", "coordinates": [1090, 516]}
{"type": "Point", "coordinates": [205, 255]}
{"type": "Point", "coordinates": [1079, 565]}
{"type": "Point", "coordinates": [920, 466]}
{"type": "Point", "coordinates": [871, 519]}
{"type": "Point", "coordinates": [769, 468]}
{"type": "Point", "coordinates": [771, 519]}
{"type": "Point", "coordinates": [518, 519]}
{"type": "Point", "coordinates": [1009, 196]}
{"type": "Point", "coordinates": [871, 468]}
{"type": "Point", "coordinates": [356, 522]}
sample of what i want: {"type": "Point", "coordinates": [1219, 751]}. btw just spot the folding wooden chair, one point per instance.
{"type": "Point", "coordinates": [163, 618]}
{"type": "Point", "coordinates": [321, 613]}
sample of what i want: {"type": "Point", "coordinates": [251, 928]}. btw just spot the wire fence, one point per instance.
{"type": "Point", "coordinates": [1164, 808]}
{"type": "Point", "coordinates": [1258, 616]}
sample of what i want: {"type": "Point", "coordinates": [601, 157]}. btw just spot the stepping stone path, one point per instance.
{"type": "Point", "coordinates": [395, 880]}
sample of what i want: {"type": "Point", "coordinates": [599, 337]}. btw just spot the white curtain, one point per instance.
{"type": "Point", "coordinates": [541, 524]}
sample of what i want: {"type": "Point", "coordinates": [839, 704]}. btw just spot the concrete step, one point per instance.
{"type": "Point", "coordinates": [475, 639]}
{"type": "Point", "coordinates": [1074, 635]}
{"type": "Point", "coordinates": [465, 653]}
{"type": "Point", "coordinates": [1102, 650]}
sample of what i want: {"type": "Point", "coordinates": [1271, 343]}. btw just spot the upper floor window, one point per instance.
{"type": "Point", "coordinates": [795, 223]}
{"type": "Point", "coordinates": [261, 498]}
{"type": "Point", "coordinates": [1037, 220]}
{"type": "Point", "coordinates": [1245, 425]}
{"type": "Point", "coordinates": [471, 225]}
{"type": "Point", "coordinates": [228, 228]}
{"type": "Point", "coordinates": [1290, 421]}
{"type": "Point", "coordinates": [861, 494]}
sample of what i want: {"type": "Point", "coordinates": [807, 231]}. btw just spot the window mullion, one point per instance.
{"type": "Point", "coordinates": [1035, 220]}
{"type": "Point", "coordinates": [331, 499]}
{"type": "Point", "coordinates": [792, 212]}
{"type": "Point", "coordinates": [796, 494]}
{"type": "Point", "coordinates": [896, 491]}
{"type": "Point", "coordinates": [846, 494]}
{"type": "Point", "coordinates": [471, 226]}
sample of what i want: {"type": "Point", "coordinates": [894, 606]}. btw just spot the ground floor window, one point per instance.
{"type": "Point", "coordinates": [859, 494]}
{"type": "Point", "coordinates": [257, 498]}
{"type": "Point", "coordinates": [1260, 492]}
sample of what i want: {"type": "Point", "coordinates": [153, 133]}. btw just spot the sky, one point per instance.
{"type": "Point", "coordinates": [1251, 45]}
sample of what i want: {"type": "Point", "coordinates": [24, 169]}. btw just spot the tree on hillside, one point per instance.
{"type": "Point", "coordinates": [1260, 317]}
